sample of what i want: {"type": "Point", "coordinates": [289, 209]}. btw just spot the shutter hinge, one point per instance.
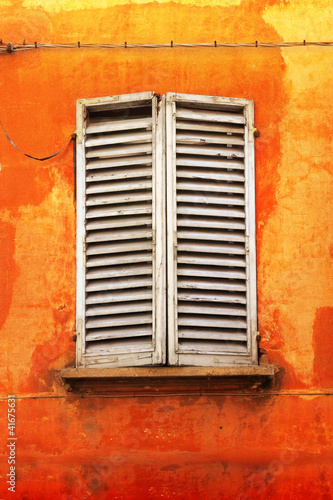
{"type": "Point", "coordinates": [253, 134]}
{"type": "Point", "coordinates": [80, 134]}
{"type": "Point", "coordinates": [247, 247]}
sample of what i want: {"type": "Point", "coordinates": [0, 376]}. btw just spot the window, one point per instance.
{"type": "Point", "coordinates": [166, 271]}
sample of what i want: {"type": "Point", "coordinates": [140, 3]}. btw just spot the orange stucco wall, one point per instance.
{"type": "Point", "coordinates": [275, 445]}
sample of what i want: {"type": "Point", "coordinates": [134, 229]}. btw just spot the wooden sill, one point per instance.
{"type": "Point", "coordinates": [168, 380]}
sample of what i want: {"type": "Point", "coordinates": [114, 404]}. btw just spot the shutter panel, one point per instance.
{"type": "Point", "coordinates": [211, 231]}
{"type": "Point", "coordinates": [120, 233]}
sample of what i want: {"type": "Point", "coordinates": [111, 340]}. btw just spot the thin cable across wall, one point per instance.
{"type": "Point", "coordinates": [9, 48]}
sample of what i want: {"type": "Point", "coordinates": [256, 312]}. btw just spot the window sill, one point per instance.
{"type": "Point", "coordinates": [168, 380]}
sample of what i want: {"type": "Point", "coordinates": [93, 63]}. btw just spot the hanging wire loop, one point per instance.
{"type": "Point", "coordinates": [34, 157]}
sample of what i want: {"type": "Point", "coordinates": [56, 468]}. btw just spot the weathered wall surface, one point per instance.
{"type": "Point", "coordinates": [276, 446]}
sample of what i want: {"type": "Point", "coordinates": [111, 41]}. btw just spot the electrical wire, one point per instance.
{"type": "Point", "coordinates": [10, 48]}
{"type": "Point", "coordinates": [34, 157]}
{"type": "Point", "coordinates": [80, 395]}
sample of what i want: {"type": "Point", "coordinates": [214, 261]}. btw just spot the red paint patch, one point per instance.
{"type": "Point", "coordinates": [323, 347]}
{"type": "Point", "coordinates": [44, 355]}
{"type": "Point", "coordinates": [8, 269]}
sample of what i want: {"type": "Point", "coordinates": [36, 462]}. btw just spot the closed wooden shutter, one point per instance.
{"type": "Point", "coordinates": [120, 231]}
{"type": "Point", "coordinates": [211, 231]}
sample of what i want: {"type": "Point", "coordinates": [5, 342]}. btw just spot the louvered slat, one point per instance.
{"type": "Point", "coordinates": [211, 334]}
{"type": "Point", "coordinates": [121, 320]}
{"type": "Point", "coordinates": [118, 247]}
{"type": "Point", "coordinates": [115, 221]}
{"type": "Point", "coordinates": [128, 308]}
{"type": "Point", "coordinates": [210, 321]}
{"type": "Point", "coordinates": [119, 271]}
{"type": "Point", "coordinates": [209, 296]}
{"type": "Point", "coordinates": [213, 176]}
{"type": "Point", "coordinates": [126, 197]}
{"type": "Point", "coordinates": [100, 125]}
{"type": "Point", "coordinates": [125, 138]}
{"type": "Point", "coordinates": [116, 260]}
{"type": "Point", "coordinates": [207, 199]}
{"type": "Point", "coordinates": [206, 308]}
{"type": "Point", "coordinates": [231, 152]}
{"type": "Point", "coordinates": [211, 235]}
{"type": "Point", "coordinates": [204, 271]}
{"type": "Point", "coordinates": [200, 209]}
{"type": "Point", "coordinates": [220, 163]}
{"type": "Point", "coordinates": [131, 208]}
{"type": "Point", "coordinates": [205, 283]}
{"type": "Point", "coordinates": [120, 332]}
{"type": "Point", "coordinates": [115, 234]}
{"type": "Point", "coordinates": [218, 348]}
{"type": "Point", "coordinates": [118, 162]}
{"type": "Point", "coordinates": [116, 152]}
{"type": "Point", "coordinates": [208, 222]}
{"type": "Point", "coordinates": [208, 138]}
{"type": "Point", "coordinates": [209, 247]}
{"type": "Point", "coordinates": [116, 186]}
{"type": "Point", "coordinates": [119, 296]}
{"type": "Point", "coordinates": [207, 260]}
{"type": "Point", "coordinates": [134, 281]}
{"type": "Point", "coordinates": [210, 116]}
{"type": "Point", "coordinates": [124, 349]}
{"type": "Point", "coordinates": [209, 127]}
{"type": "Point", "coordinates": [119, 174]}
